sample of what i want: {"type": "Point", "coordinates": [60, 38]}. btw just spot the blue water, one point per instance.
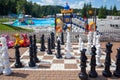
{"type": "Point", "coordinates": [35, 22]}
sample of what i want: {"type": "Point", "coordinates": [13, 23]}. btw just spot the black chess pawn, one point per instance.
{"type": "Point", "coordinates": [31, 62]}
{"type": "Point", "coordinates": [93, 73]}
{"type": "Point", "coordinates": [52, 41]}
{"type": "Point", "coordinates": [49, 46]}
{"type": "Point", "coordinates": [18, 63]}
{"type": "Point", "coordinates": [35, 49]}
{"type": "Point", "coordinates": [106, 72]}
{"type": "Point", "coordinates": [58, 55]}
{"type": "Point", "coordinates": [42, 43]}
{"type": "Point", "coordinates": [62, 38]}
{"type": "Point", "coordinates": [117, 70]}
{"type": "Point", "coordinates": [83, 75]}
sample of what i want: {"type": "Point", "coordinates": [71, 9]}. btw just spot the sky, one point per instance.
{"type": "Point", "coordinates": [79, 3]}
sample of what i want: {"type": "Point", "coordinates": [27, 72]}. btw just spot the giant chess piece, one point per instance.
{"type": "Point", "coordinates": [18, 63]}
{"type": "Point", "coordinates": [93, 72]}
{"type": "Point", "coordinates": [106, 72]}
{"type": "Point", "coordinates": [89, 43]}
{"type": "Point", "coordinates": [31, 62]}
{"type": "Point", "coordinates": [83, 75]}
{"type": "Point", "coordinates": [98, 52]}
{"type": "Point", "coordinates": [42, 43]}
{"type": "Point", "coordinates": [52, 41]}
{"type": "Point", "coordinates": [58, 55]}
{"type": "Point", "coordinates": [117, 70]}
{"type": "Point", "coordinates": [1, 64]}
{"type": "Point", "coordinates": [94, 38]}
{"type": "Point", "coordinates": [49, 46]}
{"type": "Point", "coordinates": [62, 38]}
{"type": "Point", "coordinates": [68, 47]}
{"type": "Point", "coordinates": [35, 49]}
{"type": "Point", "coordinates": [81, 45]}
{"type": "Point", "coordinates": [5, 57]}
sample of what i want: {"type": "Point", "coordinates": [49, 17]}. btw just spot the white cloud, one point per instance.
{"type": "Point", "coordinates": [76, 4]}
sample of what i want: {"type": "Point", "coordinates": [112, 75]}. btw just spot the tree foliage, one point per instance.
{"type": "Point", "coordinates": [36, 10]}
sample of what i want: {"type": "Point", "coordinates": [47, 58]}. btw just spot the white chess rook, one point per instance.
{"type": "Point", "coordinates": [5, 57]}
{"type": "Point", "coordinates": [68, 46]}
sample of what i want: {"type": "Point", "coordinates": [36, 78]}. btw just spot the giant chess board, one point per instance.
{"type": "Point", "coordinates": [50, 62]}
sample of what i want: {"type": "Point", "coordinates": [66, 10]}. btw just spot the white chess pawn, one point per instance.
{"type": "Point", "coordinates": [5, 57]}
{"type": "Point", "coordinates": [68, 46]}
{"type": "Point", "coordinates": [68, 41]}
{"type": "Point", "coordinates": [81, 45]}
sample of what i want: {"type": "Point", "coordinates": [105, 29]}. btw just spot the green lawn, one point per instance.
{"type": "Point", "coordinates": [6, 20]}
{"type": "Point", "coordinates": [5, 27]}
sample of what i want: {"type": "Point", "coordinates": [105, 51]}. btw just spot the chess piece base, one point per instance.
{"type": "Point", "coordinates": [32, 64]}
{"type": "Point", "coordinates": [107, 73]}
{"type": "Point", "coordinates": [116, 74]}
{"type": "Point", "coordinates": [42, 49]}
{"type": "Point", "coordinates": [58, 56]}
{"type": "Point", "coordinates": [18, 65]}
{"type": "Point", "coordinates": [36, 60]}
{"type": "Point", "coordinates": [93, 74]}
{"type": "Point", "coordinates": [7, 71]}
{"type": "Point", "coordinates": [49, 52]}
{"type": "Point", "coordinates": [83, 76]}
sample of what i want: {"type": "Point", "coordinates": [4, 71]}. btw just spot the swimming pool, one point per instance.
{"type": "Point", "coordinates": [45, 22]}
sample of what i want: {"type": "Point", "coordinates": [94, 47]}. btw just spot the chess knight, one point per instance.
{"type": "Point", "coordinates": [4, 58]}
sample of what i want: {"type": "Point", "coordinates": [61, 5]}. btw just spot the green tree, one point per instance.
{"type": "Point", "coordinates": [20, 6]}
{"type": "Point", "coordinates": [114, 10]}
{"type": "Point", "coordinates": [102, 12]}
{"type": "Point", "coordinates": [84, 11]}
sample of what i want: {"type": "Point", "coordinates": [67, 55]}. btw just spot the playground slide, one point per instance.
{"type": "Point", "coordinates": [79, 18]}
{"type": "Point", "coordinates": [78, 26]}
{"type": "Point", "coordinates": [78, 23]}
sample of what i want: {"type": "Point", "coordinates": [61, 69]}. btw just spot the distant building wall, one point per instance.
{"type": "Point", "coordinates": [113, 17]}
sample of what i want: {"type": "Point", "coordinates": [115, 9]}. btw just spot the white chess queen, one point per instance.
{"type": "Point", "coordinates": [5, 64]}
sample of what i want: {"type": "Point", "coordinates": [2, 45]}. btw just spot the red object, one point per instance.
{"type": "Point", "coordinates": [25, 41]}
{"type": "Point", "coordinates": [10, 43]}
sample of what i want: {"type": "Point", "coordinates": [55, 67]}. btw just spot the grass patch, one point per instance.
{"type": "Point", "coordinates": [6, 19]}
{"type": "Point", "coordinates": [4, 27]}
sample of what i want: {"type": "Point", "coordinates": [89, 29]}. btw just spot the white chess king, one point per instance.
{"type": "Point", "coordinates": [5, 57]}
